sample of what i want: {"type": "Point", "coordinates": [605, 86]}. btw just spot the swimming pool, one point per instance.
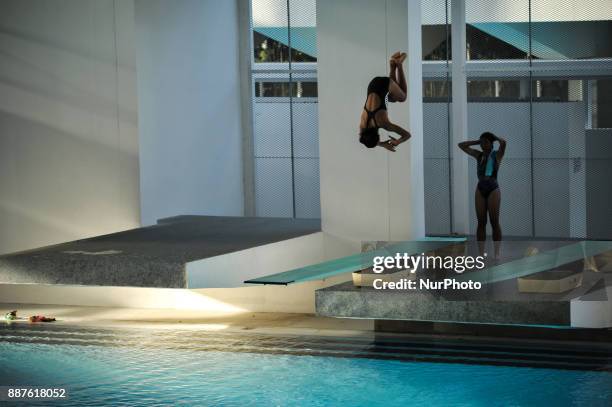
{"type": "Point", "coordinates": [161, 367]}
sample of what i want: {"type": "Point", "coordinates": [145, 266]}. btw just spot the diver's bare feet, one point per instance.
{"type": "Point", "coordinates": [401, 58]}
{"type": "Point", "coordinates": [396, 55]}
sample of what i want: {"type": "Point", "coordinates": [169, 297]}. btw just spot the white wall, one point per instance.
{"type": "Point", "coordinates": [365, 193]}
{"type": "Point", "coordinates": [232, 269]}
{"type": "Point", "coordinates": [189, 107]}
{"type": "Point", "coordinates": [68, 121]}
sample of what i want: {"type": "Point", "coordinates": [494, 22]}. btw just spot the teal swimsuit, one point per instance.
{"type": "Point", "coordinates": [487, 173]}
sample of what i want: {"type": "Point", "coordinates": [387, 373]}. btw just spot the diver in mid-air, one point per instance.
{"type": "Point", "coordinates": [383, 89]}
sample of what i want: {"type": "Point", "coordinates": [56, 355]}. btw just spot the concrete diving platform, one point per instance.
{"type": "Point", "coordinates": [515, 289]}
{"type": "Point", "coordinates": [348, 301]}
{"type": "Point", "coordinates": [178, 252]}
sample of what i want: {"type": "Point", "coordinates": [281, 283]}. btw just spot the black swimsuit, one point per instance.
{"type": "Point", "coordinates": [380, 86]}
{"type": "Point", "coordinates": [487, 183]}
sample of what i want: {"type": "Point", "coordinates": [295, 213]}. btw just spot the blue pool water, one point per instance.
{"type": "Point", "coordinates": [145, 374]}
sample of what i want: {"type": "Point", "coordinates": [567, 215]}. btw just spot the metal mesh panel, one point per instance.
{"type": "Point", "coordinates": [554, 178]}
{"type": "Point", "coordinates": [435, 17]}
{"type": "Point", "coordinates": [436, 168]}
{"type": "Point", "coordinates": [285, 108]}
{"type": "Point", "coordinates": [575, 29]}
{"type": "Point", "coordinates": [273, 187]}
{"type": "Point", "coordinates": [307, 188]}
{"type": "Point", "coordinates": [572, 165]}
{"type": "Point", "coordinates": [564, 110]}
{"type": "Point", "coordinates": [272, 148]}
{"type": "Point", "coordinates": [551, 197]}
{"type": "Point", "coordinates": [271, 129]}
{"type": "Point", "coordinates": [551, 170]}
{"type": "Point", "coordinates": [303, 33]}
{"type": "Point", "coordinates": [305, 129]}
{"type": "Point", "coordinates": [270, 31]}
{"type": "Point", "coordinates": [548, 176]}
{"type": "Point", "coordinates": [558, 140]}
{"type": "Point", "coordinates": [598, 165]}
{"type": "Point", "coordinates": [271, 115]}
{"type": "Point", "coordinates": [497, 30]}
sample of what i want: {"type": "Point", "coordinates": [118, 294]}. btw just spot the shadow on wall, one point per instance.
{"type": "Point", "coordinates": [68, 122]}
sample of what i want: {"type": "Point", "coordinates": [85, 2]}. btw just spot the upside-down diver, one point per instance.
{"type": "Point", "coordinates": [383, 89]}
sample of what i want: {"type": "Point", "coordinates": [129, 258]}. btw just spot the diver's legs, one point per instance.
{"type": "Point", "coordinates": [393, 69]}
{"type": "Point", "coordinates": [401, 78]}
{"type": "Point", "coordinates": [397, 84]}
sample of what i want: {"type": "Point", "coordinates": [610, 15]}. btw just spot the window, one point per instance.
{"type": "Point", "coordinates": [284, 28]}
{"type": "Point", "coordinates": [268, 49]}
{"type": "Point", "coordinates": [281, 89]}
{"type": "Point", "coordinates": [435, 90]}
{"type": "Point", "coordinates": [601, 103]}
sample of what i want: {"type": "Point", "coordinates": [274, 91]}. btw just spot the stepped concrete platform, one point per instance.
{"type": "Point", "coordinates": [499, 301]}
{"type": "Point", "coordinates": [349, 301]}
{"type": "Point", "coordinates": [154, 256]}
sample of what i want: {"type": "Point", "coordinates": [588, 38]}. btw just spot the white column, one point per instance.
{"type": "Point", "coordinates": [406, 192]}
{"type": "Point", "coordinates": [245, 56]}
{"type": "Point", "coordinates": [186, 137]}
{"type": "Point", "coordinates": [368, 194]}
{"type": "Point", "coordinates": [415, 120]}
{"type": "Point", "coordinates": [577, 170]}
{"type": "Point", "coordinates": [587, 85]}
{"type": "Point", "coordinates": [459, 128]}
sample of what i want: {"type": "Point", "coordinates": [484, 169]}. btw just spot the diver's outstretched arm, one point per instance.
{"type": "Point", "coordinates": [404, 134]}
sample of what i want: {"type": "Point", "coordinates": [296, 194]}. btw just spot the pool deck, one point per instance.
{"type": "Point", "coordinates": [257, 322]}
{"type": "Point", "coordinates": [293, 324]}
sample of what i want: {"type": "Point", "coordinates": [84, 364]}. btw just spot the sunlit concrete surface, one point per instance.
{"type": "Point", "coordinates": [281, 323]}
